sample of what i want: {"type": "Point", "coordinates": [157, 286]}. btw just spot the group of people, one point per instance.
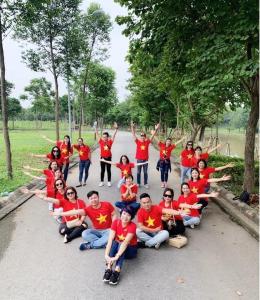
{"type": "Point", "coordinates": [121, 236]}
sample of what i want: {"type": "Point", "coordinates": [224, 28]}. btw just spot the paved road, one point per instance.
{"type": "Point", "coordinates": [219, 262]}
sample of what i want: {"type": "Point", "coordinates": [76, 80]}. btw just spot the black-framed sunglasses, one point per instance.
{"type": "Point", "coordinates": [55, 150]}
{"type": "Point", "coordinates": [59, 184]}
{"type": "Point", "coordinates": [189, 145]}
{"type": "Point", "coordinates": [70, 193]}
{"type": "Point", "coordinates": [167, 195]}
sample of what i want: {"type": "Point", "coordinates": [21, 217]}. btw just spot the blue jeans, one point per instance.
{"type": "Point", "coordinates": [185, 171]}
{"type": "Point", "coordinates": [96, 237]}
{"type": "Point", "coordinates": [165, 167]}
{"type": "Point", "coordinates": [151, 239]}
{"type": "Point", "coordinates": [83, 165]}
{"type": "Point", "coordinates": [123, 204]}
{"type": "Point", "coordinates": [188, 220]}
{"type": "Point", "coordinates": [130, 252]}
{"type": "Point", "coordinates": [139, 169]}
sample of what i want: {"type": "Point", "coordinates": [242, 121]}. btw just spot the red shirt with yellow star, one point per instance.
{"type": "Point", "coordinates": [123, 189]}
{"type": "Point", "coordinates": [125, 169]}
{"type": "Point", "coordinates": [173, 205]}
{"type": "Point", "coordinates": [105, 148]}
{"type": "Point", "coordinates": [165, 152]}
{"type": "Point", "coordinates": [198, 187]}
{"type": "Point", "coordinates": [195, 160]}
{"type": "Point", "coordinates": [186, 158]}
{"type": "Point", "coordinates": [121, 232]}
{"type": "Point", "coordinates": [100, 217]}
{"type": "Point", "coordinates": [190, 199]}
{"type": "Point", "coordinates": [67, 205]}
{"type": "Point", "coordinates": [204, 173]}
{"type": "Point", "coordinates": [151, 219]}
{"type": "Point", "coordinates": [83, 150]}
{"type": "Point", "coordinates": [142, 148]}
{"type": "Point", "coordinates": [65, 152]}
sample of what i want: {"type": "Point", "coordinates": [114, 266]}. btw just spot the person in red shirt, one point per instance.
{"type": "Point", "coordinates": [205, 171]}
{"type": "Point", "coordinates": [198, 185]}
{"type": "Point", "coordinates": [72, 226]}
{"type": "Point", "coordinates": [164, 162]}
{"type": "Point", "coordinates": [84, 160]}
{"type": "Point", "coordinates": [128, 194]}
{"type": "Point", "coordinates": [54, 155]}
{"type": "Point", "coordinates": [186, 160]}
{"type": "Point", "coordinates": [66, 152]}
{"type": "Point", "coordinates": [142, 153]}
{"type": "Point", "coordinates": [105, 144]}
{"type": "Point", "coordinates": [125, 166]}
{"type": "Point", "coordinates": [199, 155]}
{"type": "Point", "coordinates": [121, 245]}
{"type": "Point", "coordinates": [173, 224]}
{"type": "Point", "coordinates": [101, 214]}
{"type": "Point", "coordinates": [150, 230]}
{"type": "Point", "coordinates": [189, 203]}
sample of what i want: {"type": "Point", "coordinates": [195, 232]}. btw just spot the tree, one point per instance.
{"type": "Point", "coordinates": [45, 24]}
{"type": "Point", "coordinates": [14, 108]}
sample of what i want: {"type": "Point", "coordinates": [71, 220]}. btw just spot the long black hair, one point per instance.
{"type": "Point", "coordinates": [69, 143]}
{"type": "Point", "coordinates": [197, 170]}
{"type": "Point", "coordinates": [189, 142]}
{"type": "Point", "coordinates": [52, 153]}
{"type": "Point", "coordinates": [127, 159]}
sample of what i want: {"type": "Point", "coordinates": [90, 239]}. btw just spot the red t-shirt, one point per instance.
{"type": "Point", "coordinates": [142, 149]}
{"type": "Point", "coordinates": [59, 196]}
{"type": "Point", "coordinates": [198, 187]}
{"type": "Point", "coordinates": [83, 150]}
{"type": "Point", "coordinates": [59, 161]}
{"type": "Point", "coordinates": [191, 199]}
{"type": "Point", "coordinates": [152, 218]}
{"type": "Point", "coordinates": [64, 150]}
{"type": "Point", "coordinates": [125, 169]}
{"type": "Point", "coordinates": [165, 152]}
{"type": "Point", "coordinates": [204, 173]}
{"type": "Point", "coordinates": [186, 158]}
{"type": "Point", "coordinates": [49, 181]}
{"type": "Point", "coordinates": [174, 205]}
{"type": "Point", "coordinates": [123, 189]}
{"type": "Point", "coordinates": [100, 217]}
{"type": "Point", "coordinates": [121, 232]}
{"type": "Point", "coordinates": [67, 205]}
{"type": "Point", "coordinates": [105, 148]}
{"type": "Point", "coordinates": [195, 160]}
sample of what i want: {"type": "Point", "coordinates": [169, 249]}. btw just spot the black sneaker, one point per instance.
{"type": "Point", "coordinates": [141, 245]}
{"type": "Point", "coordinates": [107, 275]}
{"type": "Point", "coordinates": [114, 278]}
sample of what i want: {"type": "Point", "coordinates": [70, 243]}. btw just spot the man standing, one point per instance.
{"type": "Point", "coordinates": [142, 153]}
{"type": "Point", "coordinates": [149, 218]}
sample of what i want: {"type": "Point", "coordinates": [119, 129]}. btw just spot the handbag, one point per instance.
{"type": "Point", "coordinates": [72, 223]}
{"type": "Point", "coordinates": [178, 242]}
{"type": "Point", "coordinates": [243, 197]}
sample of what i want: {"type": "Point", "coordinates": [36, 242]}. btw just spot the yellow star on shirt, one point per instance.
{"type": "Point", "coordinates": [105, 147]}
{"type": "Point", "coordinates": [202, 176]}
{"type": "Point", "coordinates": [81, 153]}
{"type": "Point", "coordinates": [150, 222]}
{"type": "Point", "coordinates": [121, 237]}
{"type": "Point", "coordinates": [164, 152]}
{"type": "Point", "coordinates": [142, 147]}
{"type": "Point", "coordinates": [194, 190]}
{"type": "Point", "coordinates": [64, 151]}
{"type": "Point", "coordinates": [189, 156]}
{"type": "Point", "coordinates": [101, 219]}
{"type": "Point", "coordinates": [125, 172]}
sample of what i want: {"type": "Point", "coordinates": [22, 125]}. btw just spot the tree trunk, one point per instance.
{"type": "Point", "coordinates": [57, 101]}
{"type": "Point", "coordinates": [249, 174]}
{"type": "Point", "coordinates": [4, 107]}
{"type": "Point", "coordinates": [202, 133]}
{"type": "Point", "coordinates": [194, 131]}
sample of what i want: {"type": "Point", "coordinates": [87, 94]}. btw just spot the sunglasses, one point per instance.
{"type": "Point", "coordinates": [55, 150]}
{"type": "Point", "coordinates": [70, 193]}
{"type": "Point", "coordinates": [189, 144]}
{"type": "Point", "coordinates": [167, 195]}
{"type": "Point", "coordinates": [59, 184]}
{"type": "Point", "coordinates": [142, 135]}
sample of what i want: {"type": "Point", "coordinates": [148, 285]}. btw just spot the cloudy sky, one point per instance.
{"type": "Point", "coordinates": [20, 75]}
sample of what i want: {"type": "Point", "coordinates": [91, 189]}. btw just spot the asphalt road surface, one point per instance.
{"type": "Point", "coordinates": [220, 261]}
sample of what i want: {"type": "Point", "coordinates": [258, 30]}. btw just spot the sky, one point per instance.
{"type": "Point", "coordinates": [20, 75]}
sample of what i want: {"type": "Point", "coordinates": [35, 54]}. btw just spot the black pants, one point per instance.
{"type": "Point", "coordinates": [66, 171]}
{"type": "Point", "coordinates": [105, 166]}
{"type": "Point", "coordinates": [72, 233]}
{"type": "Point", "coordinates": [204, 204]}
{"type": "Point", "coordinates": [179, 228]}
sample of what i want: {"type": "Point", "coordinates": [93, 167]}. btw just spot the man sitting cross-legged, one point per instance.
{"type": "Point", "coordinates": [149, 218]}
{"type": "Point", "coordinates": [101, 214]}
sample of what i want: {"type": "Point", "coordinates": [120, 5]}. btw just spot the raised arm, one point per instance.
{"type": "Point", "coordinates": [223, 178]}
{"type": "Point", "coordinates": [48, 140]}
{"type": "Point", "coordinates": [210, 195]}
{"type": "Point", "coordinates": [179, 141]}
{"type": "Point", "coordinates": [33, 176]}
{"type": "Point", "coordinates": [38, 155]}
{"type": "Point", "coordinates": [97, 134]}
{"type": "Point", "coordinates": [154, 136]}
{"type": "Point", "coordinates": [157, 126]}
{"type": "Point", "coordinates": [133, 130]}
{"type": "Point", "coordinates": [214, 148]}
{"type": "Point", "coordinates": [230, 165]}
{"type": "Point", "coordinates": [70, 213]}
{"type": "Point", "coordinates": [48, 199]}
{"type": "Point", "coordinates": [32, 169]}
{"type": "Point", "coordinates": [115, 132]}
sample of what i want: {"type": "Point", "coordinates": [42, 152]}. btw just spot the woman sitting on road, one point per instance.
{"type": "Point", "coordinates": [173, 224]}
{"type": "Point", "coordinates": [121, 245]}
{"type": "Point", "coordinates": [189, 203]}
{"type": "Point", "coordinates": [125, 166]}
{"type": "Point", "coordinates": [71, 226]}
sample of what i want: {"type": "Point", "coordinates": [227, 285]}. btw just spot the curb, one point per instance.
{"type": "Point", "coordinates": [239, 212]}
{"type": "Point", "coordinates": [17, 198]}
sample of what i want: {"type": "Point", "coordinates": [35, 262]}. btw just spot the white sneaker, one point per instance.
{"type": "Point", "coordinates": [162, 185]}
{"type": "Point", "coordinates": [101, 183]}
{"type": "Point", "coordinates": [146, 186]}
{"type": "Point", "coordinates": [109, 183]}
{"type": "Point", "coordinates": [157, 246]}
{"type": "Point", "coordinates": [192, 226]}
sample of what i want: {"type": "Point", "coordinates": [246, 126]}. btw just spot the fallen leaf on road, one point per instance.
{"type": "Point", "coordinates": [180, 280]}
{"type": "Point", "coordinates": [239, 293]}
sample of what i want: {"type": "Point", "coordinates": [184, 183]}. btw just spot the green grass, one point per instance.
{"type": "Point", "coordinates": [24, 142]}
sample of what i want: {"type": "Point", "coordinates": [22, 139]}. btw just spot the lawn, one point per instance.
{"type": "Point", "coordinates": [24, 142]}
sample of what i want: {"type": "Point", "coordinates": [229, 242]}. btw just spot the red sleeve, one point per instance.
{"type": "Point", "coordinates": [114, 225]}
{"type": "Point", "coordinates": [204, 181]}
{"type": "Point", "coordinates": [123, 189]}
{"type": "Point", "coordinates": [76, 147]}
{"type": "Point", "coordinates": [182, 153]}
{"type": "Point", "coordinates": [132, 228]}
{"type": "Point", "coordinates": [135, 189]}
{"type": "Point", "coordinates": [211, 170]}
{"type": "Point", "coordinates": [111, 207]}
{"type": "Point", "coordinates": [132, 165]}
{"type": "Point", "coordinates": [173, 147]}
{"type": "Point", "coordinates": [111, 143]}
{"type": "Point", "coordinates": [58, 143]}
{"type": "Point", "coordinates": [140, 217]}
{"type": "Point", "coordinates": [160, 143]}
{"type": "Point", "coordinates": [46, 172]}
{"type": "Point", "coordinates": [118, 165]}
{"type": "Point", "coordinates": [82, 204]}
{"type": "Point", "coordinates": [137, 141]}
{"type": "Point", "coordinates": [148, 141]}
{"type": "Point", "coordinates": [205, 156]}
{"type": "Point", "coordinates": [62, 202]}
{"type": "Point", "coordinates": [49, 156]}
